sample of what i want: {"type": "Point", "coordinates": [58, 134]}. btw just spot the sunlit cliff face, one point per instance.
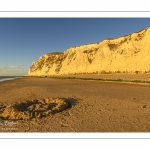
{"type": "Point", "coordinates": [128, 54]}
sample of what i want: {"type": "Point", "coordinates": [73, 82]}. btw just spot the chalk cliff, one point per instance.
{"type": "Point", "coordinates": [129, 53]}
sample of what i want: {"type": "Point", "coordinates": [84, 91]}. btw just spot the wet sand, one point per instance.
{"type": "Point", "coordinates": [95, 106]}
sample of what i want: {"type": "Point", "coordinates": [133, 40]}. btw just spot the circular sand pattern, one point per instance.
{"type": "Point", "coordinates": [33, 109]}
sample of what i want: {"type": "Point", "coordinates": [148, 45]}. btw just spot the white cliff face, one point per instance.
{"type": "Point", "coordinates": [129, 53]}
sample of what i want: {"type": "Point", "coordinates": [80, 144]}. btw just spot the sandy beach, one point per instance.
{"type": "Point", "coordinates": [94, 106]}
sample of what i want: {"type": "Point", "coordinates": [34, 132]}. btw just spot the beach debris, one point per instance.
{"type": "Point", "coordinates": [33, 109]}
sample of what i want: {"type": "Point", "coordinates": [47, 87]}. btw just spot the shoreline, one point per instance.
{"type": "Point", "coordinates": [8, 78]}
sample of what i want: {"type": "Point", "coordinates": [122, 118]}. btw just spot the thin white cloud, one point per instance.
{"type": "Point", "coordinates": [13, 70]}
{"type": "Point", "coordinates": [1, 67]}
{"type": "Point", "coordinates": [12, 67]}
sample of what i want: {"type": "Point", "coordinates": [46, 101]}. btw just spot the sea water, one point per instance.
{"type": "Point", "coordinates": [5, 78]}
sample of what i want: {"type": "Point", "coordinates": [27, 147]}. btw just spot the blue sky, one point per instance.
{"type": "Point", "coordinates": [24, 40]}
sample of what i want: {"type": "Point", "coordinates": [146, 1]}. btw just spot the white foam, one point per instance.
{"type": "Point", "coordinates": [5, 79]}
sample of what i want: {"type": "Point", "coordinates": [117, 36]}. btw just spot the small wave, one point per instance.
{"type": "Point", "coordinates": [8, 78]}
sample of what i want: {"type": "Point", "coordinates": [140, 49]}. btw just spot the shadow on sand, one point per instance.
{"type": "Point", "coordinates": [71, 101]}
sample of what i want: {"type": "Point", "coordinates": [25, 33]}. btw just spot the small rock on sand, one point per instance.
{"type": "Point", "coordinates": [144, 106]}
